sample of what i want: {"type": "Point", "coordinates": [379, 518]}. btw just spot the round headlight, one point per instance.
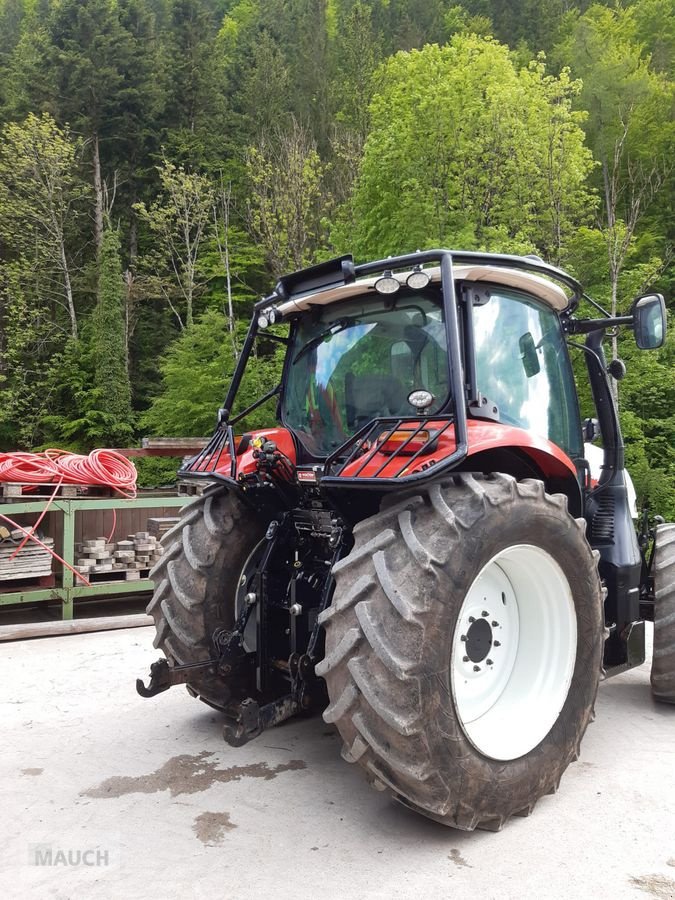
{"type": "Point", "coordinates": [263, 321]}
{"type": "Point", "coordinates": [387, 284]}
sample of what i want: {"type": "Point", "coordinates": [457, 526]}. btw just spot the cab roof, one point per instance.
{"type": "Point", "coordinates": [541, 288]}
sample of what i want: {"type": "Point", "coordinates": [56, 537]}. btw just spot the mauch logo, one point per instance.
{"type": "Point", "coordinates": [48, 855]}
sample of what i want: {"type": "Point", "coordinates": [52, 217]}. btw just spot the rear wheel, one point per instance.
{"type": "Point", "coordinates": [663, 661]}
{"type": "Point", "coordinates": [199, 582]}
{"type": "Point", "coordinates": [464, 647]}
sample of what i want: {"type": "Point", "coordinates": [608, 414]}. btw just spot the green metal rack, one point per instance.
{"type": "Point", "coordinates": [68, 592]}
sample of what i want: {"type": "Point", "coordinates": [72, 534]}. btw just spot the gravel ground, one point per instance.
{"type": "Point", "coordinates": [131, 798]}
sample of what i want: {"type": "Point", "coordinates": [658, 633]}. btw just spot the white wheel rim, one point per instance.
{"type": "Point", "coordinates": [513, 652]}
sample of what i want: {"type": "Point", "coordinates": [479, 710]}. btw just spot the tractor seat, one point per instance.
{"type": "Point", "coordinates": [370, 396]}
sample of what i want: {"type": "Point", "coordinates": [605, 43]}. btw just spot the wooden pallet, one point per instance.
{"type": "Point", "coordinates": [192, 488]}
{"type": "Point", "coordinates": [10, 491]}
{"type": "Point", "coordinates": [28, 584]}
{"type": "Point", "coordinates": [117, 575]}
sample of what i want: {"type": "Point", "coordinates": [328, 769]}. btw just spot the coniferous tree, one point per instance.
{"type": "Point", "coordinates": [111, 378]}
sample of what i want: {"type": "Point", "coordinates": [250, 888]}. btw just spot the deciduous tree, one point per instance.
{"type": "Point", "coordinates": [180, 220]}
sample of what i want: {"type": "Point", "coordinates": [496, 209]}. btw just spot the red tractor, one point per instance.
{"type": "Point", "coordinates": [419, 547]}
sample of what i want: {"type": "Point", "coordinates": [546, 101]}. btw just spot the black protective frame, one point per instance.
{"type": "Point", "coordinates": [327, 276]}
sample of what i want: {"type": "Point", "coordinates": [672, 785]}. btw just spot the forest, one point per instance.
{"type": "Point", "coordinates": [163, 161]}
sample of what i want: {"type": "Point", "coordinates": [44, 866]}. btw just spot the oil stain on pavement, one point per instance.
{"type": "Point", "coordinates": [657, 885]}
{"type": "Point", "coordinates": [210, 827]}
{"type": "Point", "coordinates": [459, 860]}
{"type": "Point", "coordinates": [187, 775]}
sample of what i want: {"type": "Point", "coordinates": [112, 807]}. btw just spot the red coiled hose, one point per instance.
{"type": "Point", "coordinates": [55, 467]}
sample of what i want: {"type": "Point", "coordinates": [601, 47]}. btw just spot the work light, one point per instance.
{"type": "Point", "coordinates": [417, 279]}
{"type": "Point", "coordinates": [387, 284]}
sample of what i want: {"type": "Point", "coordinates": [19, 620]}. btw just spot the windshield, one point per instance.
{"type": "Point", "coordinates": [352, 362]}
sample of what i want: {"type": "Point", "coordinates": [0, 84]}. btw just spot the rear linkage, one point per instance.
{"type": "Point", "coordinates": [247, 719]}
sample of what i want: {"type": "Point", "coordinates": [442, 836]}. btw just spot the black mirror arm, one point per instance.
{"type": "Point", "coordinates": [586, 326]}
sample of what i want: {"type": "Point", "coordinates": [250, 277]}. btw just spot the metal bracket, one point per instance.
{"type": "Point", "coordinates": [248, 719]}
{"type": "Point", "coordinates": [163, 676]}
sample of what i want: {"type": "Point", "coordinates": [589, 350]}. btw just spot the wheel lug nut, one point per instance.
{"type": "Point", "coordinates": [496, 644]}
{"type": "Point", "coordinates": [494, 624]}
{"type": "Point", "coordinates": [485, 613]}
{"type": "Point", "coordinates": [463, 637]}
{"type": "Point", "coordinates": [476, 668]}
{"type": "Point", "coordinates": [471, 619]}
{"type": "Point", "coordinates": [489, 662]}
{"type": "Point", "coordinates": [465, 659]}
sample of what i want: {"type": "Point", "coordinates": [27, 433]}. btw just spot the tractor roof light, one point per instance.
{"type": "Point", "coordinates": [387, 284]}
{"type": "Point", "coordinates": [269, 316]}
{"type": "Point", "coordinates": [418, 279]}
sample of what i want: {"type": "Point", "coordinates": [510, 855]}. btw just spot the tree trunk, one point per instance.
{"type": "Point", "coordinates": [98, 196]}
{"type": "Point", "coordinates": [129, 289]}
{"type": "Point", "coordinates": [133, 241]}
{"type": "Point", "coordinates": [188, 298]}
{"type": "Point", "coordinates": [69, 290]}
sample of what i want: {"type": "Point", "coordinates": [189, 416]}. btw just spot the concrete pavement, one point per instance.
{"type": "Point", "coordinates": [118, 797]}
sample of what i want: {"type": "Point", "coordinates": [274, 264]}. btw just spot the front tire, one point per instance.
{"type": "Point", "coordinates": [407, 642]}
{"type": "Point", "coordinates": [663, 661]}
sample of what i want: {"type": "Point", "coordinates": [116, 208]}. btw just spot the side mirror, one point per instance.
{"type": "Point", "coordinates": [649, 321]}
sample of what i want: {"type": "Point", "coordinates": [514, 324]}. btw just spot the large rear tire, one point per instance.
{"type": "Point", "coordinates": [464, 648]}
{"type": "Point", "coordinates": [663, 661]}
{"type": "Point", "coordinates": [196, 584]}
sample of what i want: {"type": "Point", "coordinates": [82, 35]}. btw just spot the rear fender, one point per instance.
{"type": "Point", "coordinates": [523, 454]}
{"type": "Point", "coordinates": [520, 463]}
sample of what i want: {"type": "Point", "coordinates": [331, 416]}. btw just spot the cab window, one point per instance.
{"type": "Point", "coordinates": [523, 367]}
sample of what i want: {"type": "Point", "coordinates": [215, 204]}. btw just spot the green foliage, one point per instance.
{"type": "Point", "coordinates": [111, 378]}
{"type": "Point", "coordinates": [179, 220]}
{"type": "Point", "coordinates": [195, 372]}
{"type": "Point", "coordinates": [228, 141]}
{"type": "Point", "coordinates": [648, 421]}
{"type": "Point", "coordinates": [157, 471]}
{"type": "Point", "coordinates": [28, 341]}
{"type": "Point", "coordinates": [287, 205]}
{"type": "Point", "coordinates": [40, 196]}
{"type": "Point", "coordinates": [466, 151]}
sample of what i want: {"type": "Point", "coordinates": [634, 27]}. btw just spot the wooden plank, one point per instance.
{"type": "Point", "coordinates": [180, 444]}
{"type": "Point", "coordinates": [23, 491]}
{"type": "Point", "coordinates": [73, 626]}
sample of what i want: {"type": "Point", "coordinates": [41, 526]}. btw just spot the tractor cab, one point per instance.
{"type": "Point", "coordinates": [386, 356]}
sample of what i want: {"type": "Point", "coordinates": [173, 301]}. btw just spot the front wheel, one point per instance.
{"type": "Point", "coordinates": [663, 661]}
{"type": "Point", "coordinates": [464, 646]}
